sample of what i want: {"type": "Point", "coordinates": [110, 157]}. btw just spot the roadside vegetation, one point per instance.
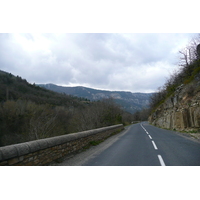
{"type": "Point", "coordinates": [29, 112]}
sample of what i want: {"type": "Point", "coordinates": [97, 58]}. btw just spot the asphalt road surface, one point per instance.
{"type": "Point", "coordinates": [141, 145]}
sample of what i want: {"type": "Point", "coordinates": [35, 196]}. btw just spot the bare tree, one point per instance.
{"type": "Point", "coordinates": [189, 53]}
{"type": "Point", "coordinates": [184, 59]}
{"type": "Point", "coordinates": [42, 122]}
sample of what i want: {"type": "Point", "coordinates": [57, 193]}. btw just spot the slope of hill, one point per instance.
{"type": "Point", "coordinates": [177, 106]}
{"type": "Point", "coordinates": [130, 102]}
{"type": "Point", "coordinates": [15, 88]}
{"type": "Point", "coordinates": [29, 112]}
{"type": "Point", "coordinates": [181, 111]}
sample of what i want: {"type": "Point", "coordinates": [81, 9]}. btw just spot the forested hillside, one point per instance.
{"type": "Point", "coordinates": [15, 88]}
{"type": "Point", "coordinates": [29, 112]}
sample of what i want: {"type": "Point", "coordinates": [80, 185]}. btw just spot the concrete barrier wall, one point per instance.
{"type": "Point", "coordinates": [44, 151]}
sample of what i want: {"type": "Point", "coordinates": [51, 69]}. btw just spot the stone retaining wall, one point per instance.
{"type": "Point", "coordinates": [44, 151]}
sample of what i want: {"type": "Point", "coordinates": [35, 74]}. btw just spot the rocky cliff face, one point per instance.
{"type": "Point", "coordinates": [181, 111]}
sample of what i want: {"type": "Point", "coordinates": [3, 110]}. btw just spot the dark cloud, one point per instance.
{"type": "Point", "coordinates": [134, 62]}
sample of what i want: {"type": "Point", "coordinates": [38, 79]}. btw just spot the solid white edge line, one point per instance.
{"type": "Point", "coordinates": [161, 160]}
{"type": "Point", "coordinates": [154, 144]}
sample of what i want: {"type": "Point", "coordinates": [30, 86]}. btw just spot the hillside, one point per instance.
{"type": "Point", "coordinates": [131, 102]}
{"type": "Point", "coordinates": [181, 111]}
{"type": "Point", "coordinates": [15, 88]}
{"type": "Point", "coordinates": [29, 112]}
{"type": "Point", "coordinates": [177, 106]}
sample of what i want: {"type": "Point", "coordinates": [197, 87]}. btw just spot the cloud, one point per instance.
{"type": "Point", "coordinates": [134, 62]}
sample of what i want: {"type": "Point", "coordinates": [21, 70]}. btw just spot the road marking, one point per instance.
{"type": "Point", "coordinates": [155, 147]}
{"type": "Point", "coordinates": [161, 160]}
{"type": "Point", "coordinates": [150, 137]}
{"type": "Point", "coordinates": [144, 128]}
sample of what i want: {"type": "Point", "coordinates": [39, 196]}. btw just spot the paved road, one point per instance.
{"type": "Point", "coordinates": [141, 145]}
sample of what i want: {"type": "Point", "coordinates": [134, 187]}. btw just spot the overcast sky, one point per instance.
{"type": "Point", "coordinates": [131, 62]}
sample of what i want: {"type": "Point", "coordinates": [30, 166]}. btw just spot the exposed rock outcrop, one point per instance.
{"type": "Point", "coordinates": [181, 111]}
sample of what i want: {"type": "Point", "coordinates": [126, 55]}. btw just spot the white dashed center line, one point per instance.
{"type": "Point", "coordinates": [144, 129]}
{"type": "Point", "coordinates": [161, 160]}
{"type": "Point", "coordinates": [155, 147]}
{"type": "Point", "coordinates": [150, 137]}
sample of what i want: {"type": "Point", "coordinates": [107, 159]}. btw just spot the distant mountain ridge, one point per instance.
{"type": "Point", "coordinates": [129, 101]}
